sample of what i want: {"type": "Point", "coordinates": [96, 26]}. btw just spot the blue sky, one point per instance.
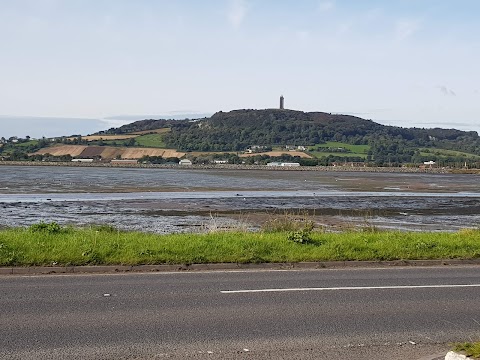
{"type": "Point", "coordinates": [398, 62]}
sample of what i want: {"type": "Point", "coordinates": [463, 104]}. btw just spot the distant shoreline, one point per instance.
{"type": "Point", "coordinates": [247, 167]}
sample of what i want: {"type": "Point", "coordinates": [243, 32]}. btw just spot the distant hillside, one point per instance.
{"type": "Point", "coordinates": [236, 130]}
{"type": "Point", "coordinates": [240, 129]}
{"type": "Point", "coordinates": [257, 137]}
{"type": "Point", "coordinates": [139, 126]}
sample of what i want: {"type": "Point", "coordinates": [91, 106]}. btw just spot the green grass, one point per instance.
{"type": "Point", "coordinates": [447, 153]}
{"type": "Point", "coordinates": [321, 154]}
{"type": "Point", "coordinates": [27, 144]}
{"type": "Point", "coordinates": [89, 246]}
{"type": "Point", "coordinates": [355, 150]}
{"type": "Point", "coordinates": [469, 349]}
{"type": "Point", "coordinates": [150, 140]}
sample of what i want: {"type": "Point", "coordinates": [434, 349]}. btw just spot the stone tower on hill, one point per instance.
{"type": "Point", "coordinates": [282, 102]}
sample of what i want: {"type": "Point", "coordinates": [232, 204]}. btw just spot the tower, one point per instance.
{"type": "Point", "coordinates": [282, 101]}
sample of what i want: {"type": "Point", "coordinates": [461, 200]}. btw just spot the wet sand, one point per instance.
{"type": "Point", "coordinates": [169, 200]}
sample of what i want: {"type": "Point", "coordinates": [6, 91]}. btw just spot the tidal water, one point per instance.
{"type": "Point", "coordinates": [183, 200]}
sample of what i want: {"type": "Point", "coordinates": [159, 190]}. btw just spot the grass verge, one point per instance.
{"type": "Point", "coordinates": [104, 245]}
{"type": "Point", "coordinates": [469, 349]}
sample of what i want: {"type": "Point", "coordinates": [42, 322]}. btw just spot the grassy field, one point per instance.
{"type": "Point", "coordinates": [156, 131]}
{"type": "Point", "coordinates": [105, 245]}
{"type": "Point", "coordinates": [447, 153]}
{"type": "Point", "coordinates": [150, 140]}
{"type": "Point", "coordinates": [27, 143]}
{"type": "Point", "coordinates": [321, 154]}
{"type": "Point", "coordinates": [107, 137]}
{"type": "Point", "coordinates": [354, 150]}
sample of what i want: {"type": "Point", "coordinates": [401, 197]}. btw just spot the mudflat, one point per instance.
{"type": "Point", "coordinates": [180, 200]}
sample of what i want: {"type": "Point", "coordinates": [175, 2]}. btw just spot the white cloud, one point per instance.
{"type": "Point", "coordinates": [406, 28]}
{"type": "Point", "coordinates": [237, 11]}
{"type": "Point", "coordinates": [324, 6]}
{"type": "Point", "coordinates": [446, 91]}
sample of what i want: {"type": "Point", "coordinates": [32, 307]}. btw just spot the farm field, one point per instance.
{"type": "Point", "coordinates": [446, 153]}
{"type": "Point", "coordinates": [61, 150]}
{"type": "Point", "coordinates": [155, 131]}
{"type": "Point", "coordinates": [108, 152]}
{"type": "Point", "coordinates": [323, 150]}
{"type": "Point", "coordinates": [318, 154]}
{"type": "Point", "coordinates": [27, 144]}
{"type": "Point", "coordinates": [150, 140]}
{"type": "Point", "coordinates": [280, 153]}
{"type": "Point", "coordinates": [106, 137]}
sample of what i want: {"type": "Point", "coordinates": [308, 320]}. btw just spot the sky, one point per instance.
{"type": "Point", "coordinates": [80, 64]}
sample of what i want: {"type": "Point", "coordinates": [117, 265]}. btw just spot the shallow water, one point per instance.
{"type": "Point", "coordinates": [171, 200]}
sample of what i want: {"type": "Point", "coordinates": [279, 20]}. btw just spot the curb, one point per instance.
{"type": "Point", "coordinates": [89, 269]}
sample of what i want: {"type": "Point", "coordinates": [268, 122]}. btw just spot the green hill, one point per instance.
{"type": "Point", "coordinates": [326, 137]}
{"type": "Point", "coordinates": [238, 130]}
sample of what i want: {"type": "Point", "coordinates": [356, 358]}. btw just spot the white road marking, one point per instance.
{"type": "Point", "coordinates": [351, 288]}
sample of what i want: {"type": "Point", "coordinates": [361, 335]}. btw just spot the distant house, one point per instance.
{"type": "Point", "coordinates": [82, 160]}
{"type": "Point", "coordinates": [185, 162]}
{"type": "Point", "coordinates": [220, 161]}
{"type": "Point", "coordinates": [295, 148]}
{"type": "Point", "coordinates": [290, 164]}
{"type": "Point", "coordinates": [255, 148]}
{"type": "Point", "coordinates": [351, 164]}
{"type": "Point", "coordinates": [284, 164]}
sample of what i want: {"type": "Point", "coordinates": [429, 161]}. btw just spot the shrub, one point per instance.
{"type": "Point", "coordinates": [51, 227]}
{"type": "Point", "coordinates": [286, 222]}
{"type": "Point", "coordinates": [303, 235]}
{"type": "Point", "coordinates": [107, 228]}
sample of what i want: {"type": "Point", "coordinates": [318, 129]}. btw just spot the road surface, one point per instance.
{"type": "Point", "coordinates": [389, 313]}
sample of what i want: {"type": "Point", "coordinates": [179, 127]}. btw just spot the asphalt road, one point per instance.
{"type": "Point", "coordinates": [394, 313]}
